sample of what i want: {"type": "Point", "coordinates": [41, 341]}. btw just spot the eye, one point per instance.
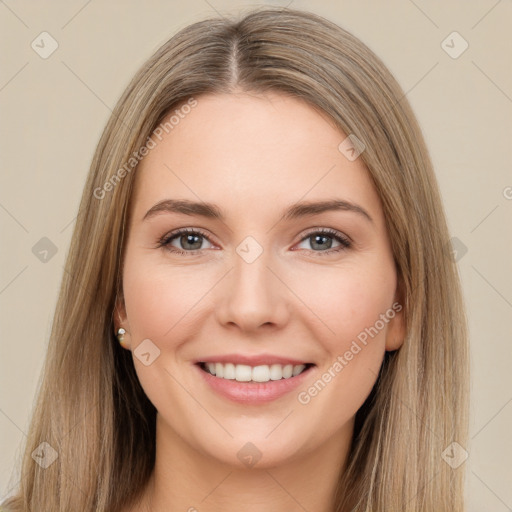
{"type": "Point", "coordinates": [321, 238]}
{"type": "Point", "coordinates": [191, 240]}
{"type": "Point", "coordinates": [188, 238]}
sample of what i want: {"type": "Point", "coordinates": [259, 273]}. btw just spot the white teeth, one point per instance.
{"type": "Point", "coordinates": [298, 369]}
{"type": "Point", "coordinates": [276, 372]}
{"type": "Point", "coordinates": [261, 373]}
{"type": "Point", "coordinates": [243, 373]}
{"type": "Point", "coordinates": [229, 371]}
{"type": "Point", "coordinates": [288, 370]}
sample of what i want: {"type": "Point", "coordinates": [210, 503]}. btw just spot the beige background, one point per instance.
{"type": "Point", "coordinates": [54, 109]}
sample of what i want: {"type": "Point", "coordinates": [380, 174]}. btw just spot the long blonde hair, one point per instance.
{"type": "Point", "coordinates": [91, 408]}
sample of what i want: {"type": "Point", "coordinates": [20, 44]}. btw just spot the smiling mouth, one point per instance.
{"type": "Point", "coordinates": [261, 373]}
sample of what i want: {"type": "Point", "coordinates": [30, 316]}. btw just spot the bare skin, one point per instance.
{"type": "Point", "coordinates": [255, 156]}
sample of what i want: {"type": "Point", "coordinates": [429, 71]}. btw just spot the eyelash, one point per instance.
{"type": "Point", "coordinates": [165, 241]}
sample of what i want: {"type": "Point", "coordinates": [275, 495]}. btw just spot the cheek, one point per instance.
{"type": "Point", "coordinates": [351, 304]}
{"type": "Point", "coordinates": [348, 301]}
{"type": "Point", "coordinates": [160, 303]}
{"type": "Point", "coordinates": [158, 297]}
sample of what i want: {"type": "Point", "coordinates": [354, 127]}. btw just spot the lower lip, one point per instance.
{"type": "Point", "coordinates": [253, 392]}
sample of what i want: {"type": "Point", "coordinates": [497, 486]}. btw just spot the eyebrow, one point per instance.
{"type": "Point", "coordinates": [295, 211]}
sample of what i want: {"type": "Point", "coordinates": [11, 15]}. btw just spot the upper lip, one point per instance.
{"type": "Point", "coordinates": [254, 360]}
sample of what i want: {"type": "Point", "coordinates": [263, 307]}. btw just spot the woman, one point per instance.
{"type": "Point", "coordinates": [253, 368]}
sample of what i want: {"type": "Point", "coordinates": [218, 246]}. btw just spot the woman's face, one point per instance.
{"type": "Point", "coordinates": [261, 280]}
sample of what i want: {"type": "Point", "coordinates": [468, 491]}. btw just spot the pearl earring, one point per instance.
{"type": "Point", "coordinates": [120, 335]}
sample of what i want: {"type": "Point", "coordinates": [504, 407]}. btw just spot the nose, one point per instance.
{"type": "Point", "coordinates": [253, 295]}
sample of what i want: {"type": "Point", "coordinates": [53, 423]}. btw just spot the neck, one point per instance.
{"type": "Point", "coordinates": [187, 480]}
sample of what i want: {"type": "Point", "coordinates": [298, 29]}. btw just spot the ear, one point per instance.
{"type": "Point", "coordinates": [395, 334]}
{"type": "Point", "coordinates": [121, 320]}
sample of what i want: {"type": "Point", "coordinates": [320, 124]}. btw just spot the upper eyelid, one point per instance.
{"type": "Point", "coordinates": [310, 231]}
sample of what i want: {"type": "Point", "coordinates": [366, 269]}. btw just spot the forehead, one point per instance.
{"type": "Point", "coordinates": [250, 151]}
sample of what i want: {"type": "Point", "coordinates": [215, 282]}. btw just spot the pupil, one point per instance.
{"type": "Point", "coordinates": [320, 237]}
{"type": "Point", "coordinates": [190, 239]}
